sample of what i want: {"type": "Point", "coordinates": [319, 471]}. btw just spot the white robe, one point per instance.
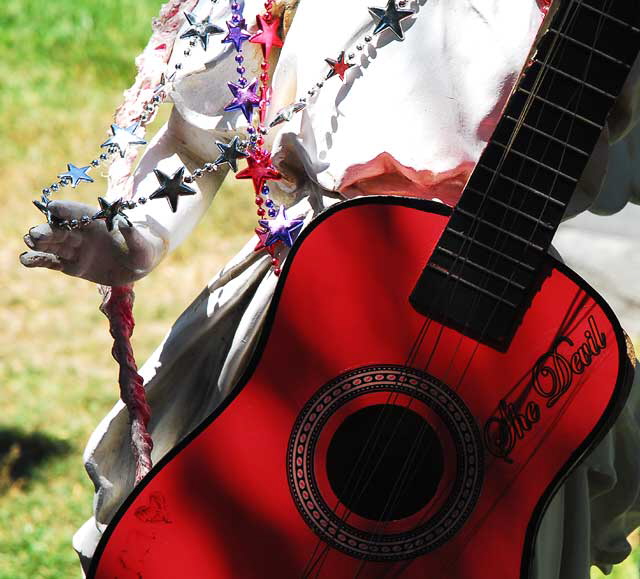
{"type": "Point", "coordinates": [412, 118]}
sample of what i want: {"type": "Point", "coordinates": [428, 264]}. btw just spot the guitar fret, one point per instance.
{"type": "Point", "coordinates": [527, 187]}
{"type": "Point", "coordinates": [590, 48]}
{"type": "Point", "coordinates": [609, 17]}
{"type": "Point", "coordinates": [539, 163]}
{"type": "Point", "coordinates": [561, 108]}
{"type": "Point", "coordinates": [574, 78]}
{"type": "Point", "coordinates": [480, 267]}
{"type": "Point", "coordinates": [473, 286]}
{"type": "Point", "coordinates": [536, 220]}
{"type": "Point", "coordinates": [515, 236]}
{"type": "Point", "coordinates": [486, 247]}
{"type": "Point", "coordinates": [547, 135]}
{"type": "Point", "coordinates": [549, 128]}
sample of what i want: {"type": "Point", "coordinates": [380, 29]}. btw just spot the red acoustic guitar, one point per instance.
{"type": "Point", "coordinates": [415, 402]}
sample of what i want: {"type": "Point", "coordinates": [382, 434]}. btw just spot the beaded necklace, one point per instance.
{"type": "Point", "coordinates": [274, 227]}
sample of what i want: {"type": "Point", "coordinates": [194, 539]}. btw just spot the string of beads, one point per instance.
{"type": "Point", "coordinates": [274, 227]}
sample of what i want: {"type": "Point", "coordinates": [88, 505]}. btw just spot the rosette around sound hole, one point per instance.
{"type": "Point", "coordinates": [385, 463]}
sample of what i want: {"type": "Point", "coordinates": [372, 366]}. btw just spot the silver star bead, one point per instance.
{"type": "Point", "coordinates": [286, 114]}
{"type": "Point", "coordinates": [122, 138]}
{"type": "Point", "coordinates": [230, 154]}
{"type": "Point", "coordinates": [109, 212]}
{"type": "Point", "coordinates": [164, 81]}
{"type": "Point", "coordinates": [76, 174]}
{"type": "Point", "coordinates": [171, 187]}
{"type": "Point", "coordinates": [201, 29]}
{"type": "Point", "coordinates": [390, 18]}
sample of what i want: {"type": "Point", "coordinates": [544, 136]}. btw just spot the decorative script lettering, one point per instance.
{"type": "Point", "coordinates": [551, 378]}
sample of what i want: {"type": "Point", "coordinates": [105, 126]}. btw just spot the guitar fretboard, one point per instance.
{"type": "Point", "coordinates": [481, 277]}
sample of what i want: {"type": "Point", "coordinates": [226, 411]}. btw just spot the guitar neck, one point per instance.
{"type": "Point", "coordinates": [485, 268]}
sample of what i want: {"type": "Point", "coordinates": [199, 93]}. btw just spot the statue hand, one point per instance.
{"type": "Point", "coordinates": [114, 258]}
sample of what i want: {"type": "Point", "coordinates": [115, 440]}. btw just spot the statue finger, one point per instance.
{"type": "Point", "coordinates": [44, 233]}
{"type": "Point", "coordinates": [64, 251]}
{"type": "Point", "coordinates": [41, 259]}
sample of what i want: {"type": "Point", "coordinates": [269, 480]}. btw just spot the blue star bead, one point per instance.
{"type": "Point", "coordinates": [246, 99]}
{"type": "Point", "coordinates": [390, 18]}
{"type": "Point", "coordinates": [76, 174]}
{"type": "Point", "coordinates": [237, 34]}
{"type": "Point", "coordinates": [281, 229]}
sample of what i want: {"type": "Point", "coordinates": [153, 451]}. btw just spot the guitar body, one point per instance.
{"type": "Point", "coordinates": [368, 441]}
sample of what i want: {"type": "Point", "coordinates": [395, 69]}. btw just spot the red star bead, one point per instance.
{"type": "Point", "coordinates": [339, 67]}
{"type": "Point", "coordinates": [260, 170]}
{"type": "Point", "coordinates": [268, 35]}
{"type": "Point", "coordinates": [263, 235]}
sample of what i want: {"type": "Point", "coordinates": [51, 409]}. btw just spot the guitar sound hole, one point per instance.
{"type": "Point", "coordinates": [376, 470]}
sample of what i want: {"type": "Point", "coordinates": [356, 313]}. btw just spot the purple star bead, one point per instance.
{"type": "Point", "coordinates": [245, 99]}
{"type": "Point", "coordinates": [237, 34]}
{"type": "Point", "coordinates": [281, 229]}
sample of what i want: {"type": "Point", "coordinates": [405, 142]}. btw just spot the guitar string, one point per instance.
{"type": "Point", "coordinates": [588, 67]}
{"type": "Point", "coordinates": [570, 317]}
{"type": "Point", "coordinates": [441, 329]}
{"type": "Point", "coordinates": [546, 434]}
{"type": "Point", "coordinates": [480, 522]}
{"type": "Point", "coordinates": [579, 95]}
{"type": "Point", "coordinates": [534, 229]}
{"type": "Point", "coordinates": [356, 468]}
{"type": "Point", "coordinates": [523, 114]}
{"type": "Point", "coordinates": [418, 440]}
{"type": "Point", "coordinates": [376, 432]}
{"type": "Point", "coordinates": [580, 91]}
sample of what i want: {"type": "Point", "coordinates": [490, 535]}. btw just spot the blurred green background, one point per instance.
{"type": "Point", "coordinates": [63, 67]}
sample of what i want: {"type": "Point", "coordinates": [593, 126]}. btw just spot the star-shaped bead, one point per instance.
{"type": "Point", "coordinates": [268, 35]}
{"type": "Point", "coordinates": [171, 187]}
{"type": "Point", "coordinates": [286, 114]}
{"type": "Point", "coordinates": [339, 67]}
{"type": "Point", "coordinates": [230, 154]}
{"type": "Point", "coordinates": [76, 174]}
{"type": "Point", "coordinates": [237, 34]}
{"type": "Point", "coordinates": [109, 211]}
{"type": "Point", "coordinates": [281, 229]}
{"type": "Point", "coordinates": [390, 18]}
{"type": "Point", "coordinates": [260, 170]}
{"type": "Point", "coordinates": [122, 138]}
{"type": "Point", "coordinates": [201, 29]}
{"type": "Point", "coordinates": [245, 98]}
{"type": "Point", "coordinates": [263, 235]}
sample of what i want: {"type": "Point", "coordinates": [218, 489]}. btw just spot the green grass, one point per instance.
{"type": "Point", "coordinates": [60, 56]}
{"type": "Point", "coordinates": [630, 569]}
{"type": "Point", "coordinates": [64, 66]}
